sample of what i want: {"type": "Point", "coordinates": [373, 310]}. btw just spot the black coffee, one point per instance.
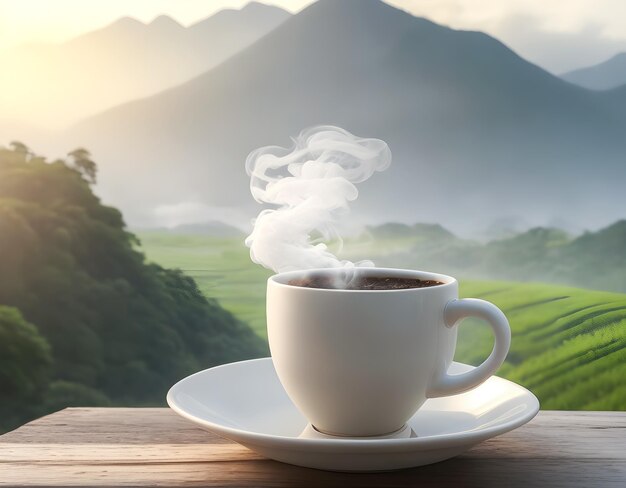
{"type": "Point", "coordinates": [364, 283]}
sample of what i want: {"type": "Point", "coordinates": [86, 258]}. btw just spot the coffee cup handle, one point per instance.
{"type": "Point", "coordinates": [455, 311]}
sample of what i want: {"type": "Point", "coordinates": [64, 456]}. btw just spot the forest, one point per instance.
{"type": "Point", "coordinates": [84, 318]}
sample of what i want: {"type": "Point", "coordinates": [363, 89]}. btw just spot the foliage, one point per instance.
{"type": "Point", "coordinates": [120, 330]}
{"type": "Point", "coordinates": [24, 363]}
{"type": "Point", "coordinates": [24, 355]}
{"type": "Point", "coordinates": [61, 394]}
{"type": "Point", "coordinates": [83, 163]}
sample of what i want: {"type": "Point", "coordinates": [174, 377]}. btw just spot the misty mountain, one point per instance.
{"type": "Point", "coordinates": [503, 227]}
{"type": "Point", "coordinates": [421, 231]}
{"type": "Point", "coordinates": [61, 83]}
{"type": "Point", "coordinates": [591, 260]}
{"type": "Point", "coordinates": [476, 131]}
{"type": "Point", "coordinates": [603, 76]}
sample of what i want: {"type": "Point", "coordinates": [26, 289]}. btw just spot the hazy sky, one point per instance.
{"type": "Point", "coordinates": [557, 34]}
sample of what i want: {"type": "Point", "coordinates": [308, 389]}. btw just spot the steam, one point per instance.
{"type": "Point", "coordinates": [310, 186]}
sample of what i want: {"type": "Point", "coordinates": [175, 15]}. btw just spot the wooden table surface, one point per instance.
{"type": "Point", "coordinates": [155, 447]}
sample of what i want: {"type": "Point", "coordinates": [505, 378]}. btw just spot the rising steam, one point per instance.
{"type": "Point", "coordinates": [310, 186]}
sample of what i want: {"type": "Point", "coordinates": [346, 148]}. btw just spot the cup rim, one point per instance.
{"type": "Point", "coordinates": [280, 279]}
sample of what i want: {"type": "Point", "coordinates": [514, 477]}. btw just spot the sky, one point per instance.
{"type": "Point", "coordinates": [558, 34]}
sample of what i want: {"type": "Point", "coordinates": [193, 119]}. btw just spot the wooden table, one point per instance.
{"type": "Point", "coordinates": [155, 447]}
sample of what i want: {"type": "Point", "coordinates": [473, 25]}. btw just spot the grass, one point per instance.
{"type": "Point", "coordinates": [568, 347]}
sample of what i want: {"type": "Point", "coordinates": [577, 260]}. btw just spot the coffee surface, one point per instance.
{"type": "Point", "coordinates": [364, 283]}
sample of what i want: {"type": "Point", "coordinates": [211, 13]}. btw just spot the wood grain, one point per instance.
{"type": "Point", "coordinates": [155, 447]}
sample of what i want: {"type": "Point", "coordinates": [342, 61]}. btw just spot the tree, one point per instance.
{"type": "Point", "coordinates": [19, 147]}
{"type": "Point", "coordinates": [82, 162]}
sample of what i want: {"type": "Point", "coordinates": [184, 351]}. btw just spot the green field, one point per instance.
{"type": "Point", "coordinates": [221, 267]}
{"type": "Point", "coordinates": [569, 344]}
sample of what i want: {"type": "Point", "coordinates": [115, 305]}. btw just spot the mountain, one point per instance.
{"type": "Point", "coordinates": [502, 227]}
{"type": "Point", "coordinates": [61, 83]}
{"type": "Point", "coordinates": [476, 131]}
{"type": "Point", "coordinates": [603, 76]}
{"type": "Point", "coordinates": [594, 260]}
{"type": "Point", "coordinates": [394, 230]}
{"type": "Point", "coordinates": [598, 258]}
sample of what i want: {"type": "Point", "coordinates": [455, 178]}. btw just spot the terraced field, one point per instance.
{"type": "Point", "coordinates": [569, 344]}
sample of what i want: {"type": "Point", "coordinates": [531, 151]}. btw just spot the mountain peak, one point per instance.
{"type": "Point", "coordinates": [251, 13]}
{"type": "Point", "coordinates": [251, 6]}
{"type": "Point", "coordinates": [606, 75]}
{"type": "Point", "coordinates": [618, 57]}
{"type": "Point", "coordinates": [375, 14]}
{"type": "Point", "coordinates": [355, 5]}
{"type": "Point", "coordinates": [126, 22]}
{"type": "Point", "coordinates": [165, 21]}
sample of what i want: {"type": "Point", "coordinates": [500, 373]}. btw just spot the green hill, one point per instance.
{"type": "Point", "coordinates": [569, 344]}
{"type": "Point", "coordinates": [568, 347]}
{"type": "Point", "coordinates": [84, 319]}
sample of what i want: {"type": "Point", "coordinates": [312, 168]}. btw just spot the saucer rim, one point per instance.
{"type": "Point", "coordinates": [446, 440]}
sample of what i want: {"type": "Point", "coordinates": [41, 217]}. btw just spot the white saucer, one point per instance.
{"type": "Point", "coordinates": [245, 402]}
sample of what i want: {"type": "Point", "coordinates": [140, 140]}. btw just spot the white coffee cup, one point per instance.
{"type": "Point", "coordinates": [362, 362]}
